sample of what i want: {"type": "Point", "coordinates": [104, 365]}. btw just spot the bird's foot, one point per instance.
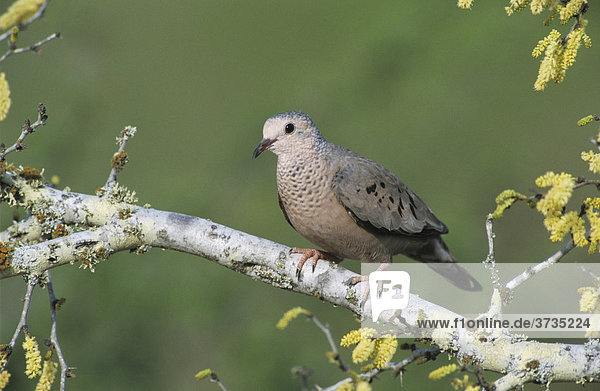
{"type": "Point", "coordinates": [315, 255]}
{"type": "Point", "coordinates": [358, 279]}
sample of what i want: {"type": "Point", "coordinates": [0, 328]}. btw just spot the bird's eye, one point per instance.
{"type": "Point", "coordinates": [289, 128]}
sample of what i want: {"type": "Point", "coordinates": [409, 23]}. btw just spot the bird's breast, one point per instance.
{"type": "Point", "coordinates": [313, 210]}
{"type": "Point", "coordinates": [304, 189]}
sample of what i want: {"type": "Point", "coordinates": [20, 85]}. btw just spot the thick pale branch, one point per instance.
{"type": "Point", "coordinates": [114, 226]}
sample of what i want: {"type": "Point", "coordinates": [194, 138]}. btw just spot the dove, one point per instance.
{"type": "Point", "coordinates": [350, 206]}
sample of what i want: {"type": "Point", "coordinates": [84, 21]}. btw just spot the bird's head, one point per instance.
{"type": "Point", "coordinates": [286, 132]}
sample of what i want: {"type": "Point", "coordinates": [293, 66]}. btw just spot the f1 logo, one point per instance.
{"type": "Point", "coordinates": [394, 294]}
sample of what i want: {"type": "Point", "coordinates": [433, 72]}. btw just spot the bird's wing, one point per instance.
{"type": "Point", "coordinates": [376, 199]}
{"type": "Point", "coordinates": [282, 207]}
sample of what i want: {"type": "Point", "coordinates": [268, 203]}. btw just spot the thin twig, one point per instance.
{"type": "Point", "coordinates": [303, 373]}
{"type": "Point", "coordinates": [215, 379]}
{"type": "Point", "coordinates": [530, 272]}
{"type": "Point", "coordinates": [33, 48]}
{"type": "Point", "coordinates": [23, 26]}
{"type": "Point", "coordinates": [489, 229]}
{"type": "Point", "coordinates": [325, 329]}
{"type": "Point", "coordinates": [397, 367]}
{"type": "Point", "coordinates": [65, 371]}
{"type": "Point", "coordinates": [586, 182]}
{"type": "Point", "coordinates": [490, 260]}
{"type": "Point", "coordinates": [26, 129]}
{"type": "Point", "coordinates": [490, 264]}
{"type": "Point", "coordinates": [478, 371]}
{"type": "Point", "coordinates": [125, 135]}
{"type": "Point", "coordinates": [596, 141]}
{"type": "Point", "coordinates": [22, 323]}
{"type": "Point", "coordinates": [429, 354]}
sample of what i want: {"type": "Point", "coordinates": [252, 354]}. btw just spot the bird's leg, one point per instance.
{"type": "Point", "coordinates": [315, 255]}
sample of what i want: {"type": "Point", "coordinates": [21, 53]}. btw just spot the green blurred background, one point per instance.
{"type": "Point", "coordinates": [440, 96]}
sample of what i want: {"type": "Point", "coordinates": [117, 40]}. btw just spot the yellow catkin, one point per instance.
{"type": "Point", "coordinates": [461, 383]}
{"type": "Point", "coordinates": [20, 11]}
{"type": "Point", "coordinates": [536, 6]}
{"type": "Point", "coordinates": [588, 302]}
{"type": "Point", "coordinates": [345, 386]}
{"type": "Point", "coordinates": [561, 188]}
{"type": "Point", "coordinates": [549, 67]}
{"type": "Point", "coordinates": [516, 6]}
{"type": "Point", "coordinates": [553, 36]}
{"type": "Point", "coordinates": [355, 336]}
{"type": "Point", "coordinates": [593, 159]}
{"type": "Point", "coordinates": [443, 371]}
{"type": "Point", "coordinates": [594, 220]}
{"type": "Point", "coordinates": [465, 4]}
{"type": "Point", "coordinates": [291, 315]}
{"type": "Point", "coordinates": [33, 358]}
{"type": "Point", "coordinates": [585, 120]}
{"type": "Point", "coordinates": [570, 9]}
{"type": "Point", "coordinates": [48, 375]}
{"type": "Point", "coordinates": [386, 347]}
{"type": "Point", "coordinates": [572, 46]}
{"type": "Point", "coordinates": [363, 386]}
{"type": "Point", "coordinates": [4, 378]}
{"type": "Point", "coordinates": [4, 375]}
{"type": "Point", "coordinates": [5, 100]}
{"type": "Point", "coordinates": [505, 200]}
{"type": "Point", "coordinates": [592, 202]}
{"type": "Point", "coordinates": [363, 350]}
{"type": "Point", "coordinates": [203, 373]}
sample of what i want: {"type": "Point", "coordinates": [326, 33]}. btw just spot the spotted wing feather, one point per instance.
{"type": "Point", "coordinates": [375, 198]}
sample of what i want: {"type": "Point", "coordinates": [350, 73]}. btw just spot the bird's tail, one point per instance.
{"type": "Point", "coordinates": [438, 257]}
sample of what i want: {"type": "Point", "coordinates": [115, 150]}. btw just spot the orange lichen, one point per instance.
{"type": "Point", "coordinates": [59, 230]}
{"type": "Point", "coordinates": [5, 254]}
{"type": "Point", "coordinates": [119, 160]}
{"type": "Point", "coordinates": [30, 173]}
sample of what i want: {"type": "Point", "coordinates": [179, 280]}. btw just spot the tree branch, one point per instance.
{"type": "Point", "coordinates": [396, 367]}
{"type": "Point", "coordinates": [22, 323]}
{"type": "Point", "coordinates": [32, 48]}
{"type": "Point", "coordinates": [65, 371]}
{"type": "Point", "coordinates": [111, 225]}
{"type": "Point", "coordinates": [26, 129]}
{"type": "Point", "coordinates": [120, 157]}
{"type": "Point", "coordinates": [532, 271]}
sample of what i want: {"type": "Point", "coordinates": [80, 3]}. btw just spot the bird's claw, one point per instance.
{"type": "Point", "coordinates": [355, 280]}
{"type": "Point", "coordinates": [308, 253]}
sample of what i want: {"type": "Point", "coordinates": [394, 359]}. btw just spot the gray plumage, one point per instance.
{"type": "Point", "coordinates": [349, 205]}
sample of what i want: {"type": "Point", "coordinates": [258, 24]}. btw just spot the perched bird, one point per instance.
{"type": "Point", "coordinates": [349, 205]}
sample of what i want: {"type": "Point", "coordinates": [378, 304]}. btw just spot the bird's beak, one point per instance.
{"type": "Point", "coordinates": [264, 145]}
